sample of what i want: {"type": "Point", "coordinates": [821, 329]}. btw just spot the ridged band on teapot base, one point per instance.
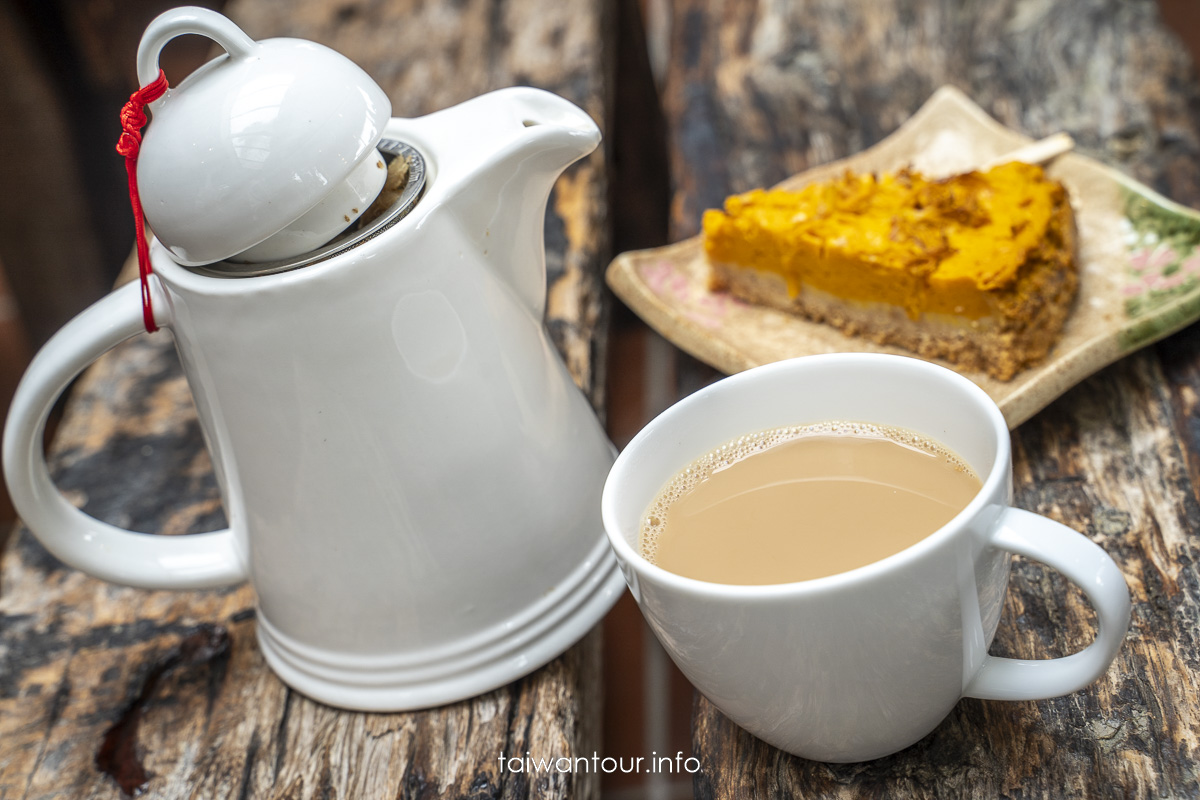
{"type": "Point", "coordinates": [469, 667]}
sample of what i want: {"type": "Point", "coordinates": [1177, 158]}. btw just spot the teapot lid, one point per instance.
{"type": "Point", "coordinates": [252, 140]}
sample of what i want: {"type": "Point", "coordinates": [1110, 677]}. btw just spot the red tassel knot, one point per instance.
{"type": "Point", "coordinates": [133, 119]}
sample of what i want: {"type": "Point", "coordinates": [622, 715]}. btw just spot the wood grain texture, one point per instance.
{"type": "Point", "coordinates": [759, 91]}
{"type": "Point", "coordinates": [53, 260]}
{"type": "Point", "coordinates": [78, 656]}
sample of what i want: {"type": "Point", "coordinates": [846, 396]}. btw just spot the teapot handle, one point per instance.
{"type": "Point", "coordinates": [188, 19]}
{"type": "Point", "coordinates": [147, 561]}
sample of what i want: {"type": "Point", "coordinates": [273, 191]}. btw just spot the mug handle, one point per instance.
{"type": "Point", "coordinates": [196, 561]}
{"type": "Point", "coordinates": [1091, 569]}
{"type": "Point", "coordinates": [187, 19]}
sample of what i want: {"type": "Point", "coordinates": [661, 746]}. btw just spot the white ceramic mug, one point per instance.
{"type": "Point", "coordinates": [858, 665]}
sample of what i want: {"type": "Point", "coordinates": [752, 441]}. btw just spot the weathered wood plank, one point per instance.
{"type": "Point", "coordinates": [49, 247]}
{"type": "Point", "coordinates": [78, 657]}
{"type": "Point", "coordinates": [758, 91]}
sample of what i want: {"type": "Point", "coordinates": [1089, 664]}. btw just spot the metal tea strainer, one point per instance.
{"type": "Point", "coordinates": [351, 238]}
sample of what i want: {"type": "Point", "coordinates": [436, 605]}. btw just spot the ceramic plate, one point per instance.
{"type": "Point", "coordinates": [1139, 266]}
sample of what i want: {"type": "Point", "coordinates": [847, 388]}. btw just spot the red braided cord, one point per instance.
{"type": "Point", "coordinates": [133, 119]}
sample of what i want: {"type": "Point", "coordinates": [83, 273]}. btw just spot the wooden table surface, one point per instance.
{"type": "Point", "coordinates": [753, 91]}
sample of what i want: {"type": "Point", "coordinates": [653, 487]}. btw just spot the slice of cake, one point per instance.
{"type": "Point", "coordinates": [977, 269]}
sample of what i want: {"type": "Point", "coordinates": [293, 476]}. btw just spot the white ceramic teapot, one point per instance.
{"type": "Point", "coordinates": [411, 477]}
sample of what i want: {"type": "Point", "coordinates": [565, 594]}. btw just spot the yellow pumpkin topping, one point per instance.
{"type": "Point", "coordinates": [929, 246]}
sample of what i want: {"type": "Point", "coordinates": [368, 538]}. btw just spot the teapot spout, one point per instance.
{"type": "Point", "coordinates": [558, 128]}
{"type": "Point", "coordinates": [496, 159]}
